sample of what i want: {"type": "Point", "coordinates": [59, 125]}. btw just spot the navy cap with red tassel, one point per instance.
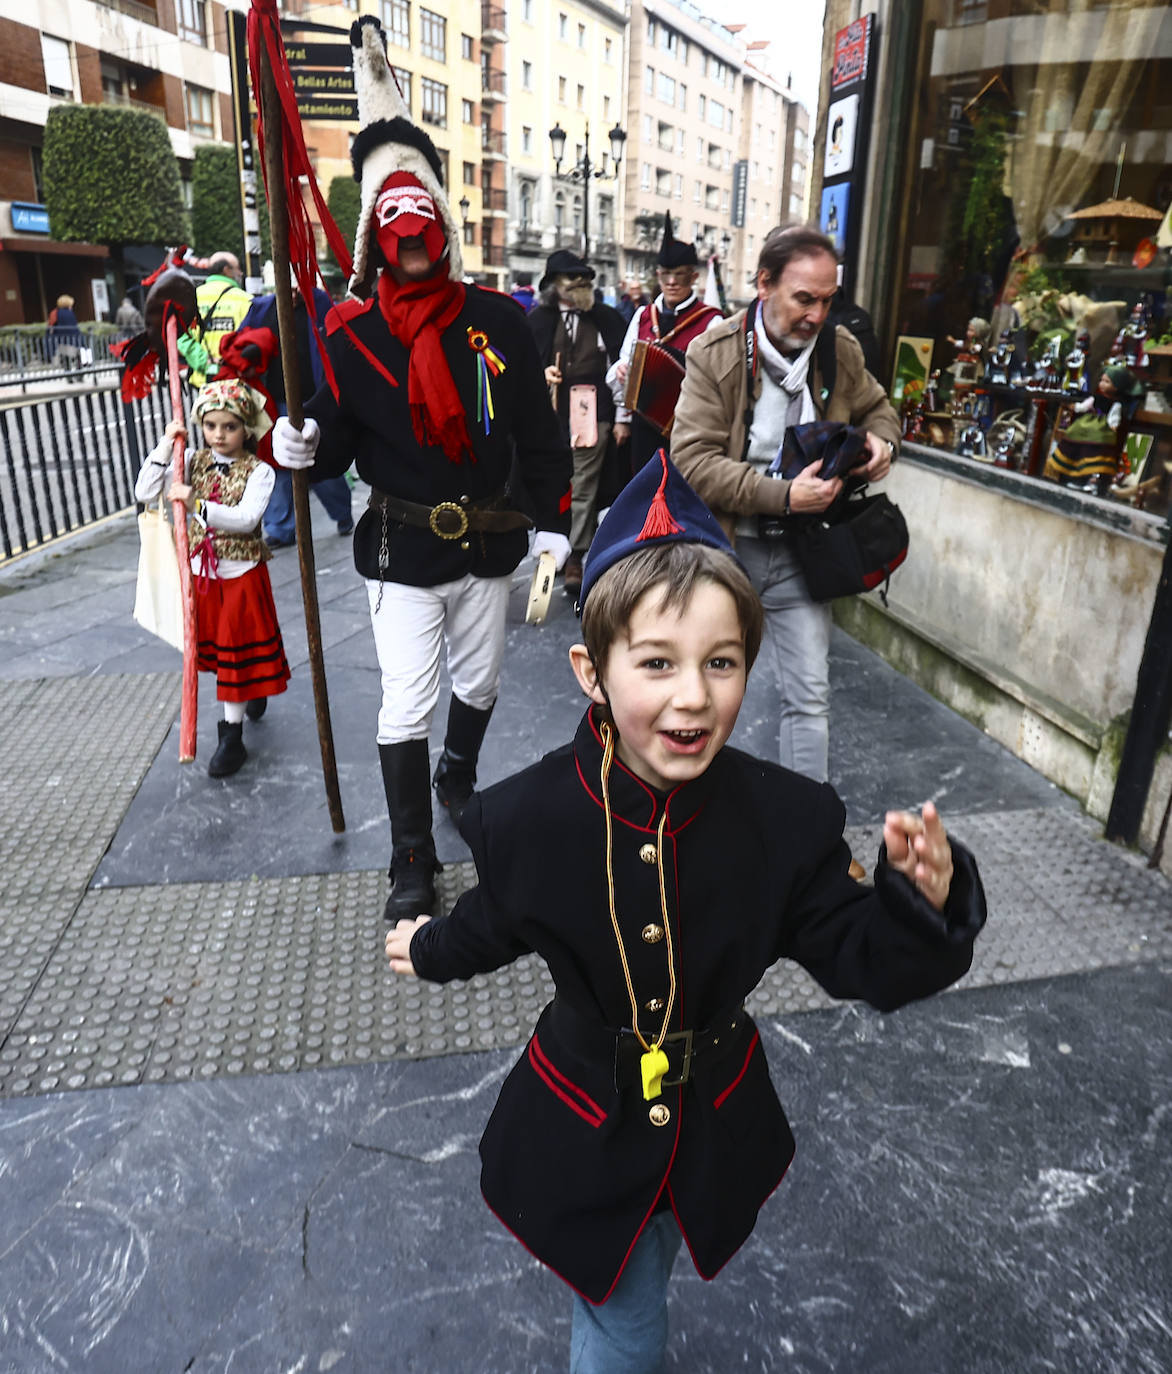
{"type": "Point", "coordinates": [655, 507]}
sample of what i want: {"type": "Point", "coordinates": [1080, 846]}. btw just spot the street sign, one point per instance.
{"type": "Point", "coordinates": [319, 54]}
{"type": "Point", "coordinates": [321, 83]}
{"type": "Point", "coordinates": [342, 109]}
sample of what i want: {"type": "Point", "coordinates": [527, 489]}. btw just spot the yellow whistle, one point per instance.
{"type": "Point", "coordinates": [653, 1066]}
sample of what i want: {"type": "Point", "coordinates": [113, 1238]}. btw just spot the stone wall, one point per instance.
{"type": "Point", "coordinates": [1025, 607]}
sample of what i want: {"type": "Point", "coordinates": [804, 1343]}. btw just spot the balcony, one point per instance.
{"type": "Point", "coordinates": [493, 255]}
{"type": "Point", "coordinates": [493, 24]}
{"type": "Point", "coordinates": [495, 200]}
{"type": "Point", "coordinates": [492, 143]}
{"type": "Point", "coordinates": [527, 239]}
{"type": "Point", "coordinates": [492, 84]}
{"type": "Point", "coordinates": [145, 14]}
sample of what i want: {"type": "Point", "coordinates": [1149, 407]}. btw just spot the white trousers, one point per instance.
{"type": "Point", "coordinates": [466, 618]}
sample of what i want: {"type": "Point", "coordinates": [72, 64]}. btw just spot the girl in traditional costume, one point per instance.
{"type": "Point", "coordinates": [226, 490]}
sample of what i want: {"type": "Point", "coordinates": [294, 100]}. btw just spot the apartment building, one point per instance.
{"type": "Point", "coordinates": [166, 56]}
{"type": "Point", "coordinates": [567, 71]}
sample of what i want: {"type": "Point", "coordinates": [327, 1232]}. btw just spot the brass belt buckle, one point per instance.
{"type": "Point", "coordinates": [686, 1066]}
{"type": "Point", "coordinates": [436, 514]}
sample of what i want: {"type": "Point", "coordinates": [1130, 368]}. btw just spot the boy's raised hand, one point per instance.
{"type": "Point", "coordinates": [918, 848]}
{"type": "Point", "coordinates": [398, 944]}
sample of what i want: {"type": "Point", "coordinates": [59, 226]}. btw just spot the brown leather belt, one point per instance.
{"type": "Point", "coordinates": [450, 519]}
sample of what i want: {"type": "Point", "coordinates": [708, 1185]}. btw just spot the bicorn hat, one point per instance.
{"type": "Point", "coordinates": [675, 252]}
{"type": "Point", "coordinates": [655, 507]}
{"type": "Point", "coordinates": [389, 141]}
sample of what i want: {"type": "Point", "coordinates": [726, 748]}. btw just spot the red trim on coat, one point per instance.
{"type": "Point", "coordinates": [744, 1067]}
{"type": "Point", "coordinates": [547, 1071]}
{"type": "Point", "coordinates": [566, 501]}
{"type": "Point", "coordinates": [691, 1253]}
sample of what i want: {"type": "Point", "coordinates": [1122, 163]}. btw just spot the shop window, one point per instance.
{"type": "Point", "coordinates": [1033, 265]}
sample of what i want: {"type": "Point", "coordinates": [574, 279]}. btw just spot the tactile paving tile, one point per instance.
{"type": "Point", "coordinates": [156, 984]}
{"type": "Point", "coordinates": [75, 750]}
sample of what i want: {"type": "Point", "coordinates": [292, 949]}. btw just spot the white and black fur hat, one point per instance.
{"type": "Point", "coordinates": [389, 142]}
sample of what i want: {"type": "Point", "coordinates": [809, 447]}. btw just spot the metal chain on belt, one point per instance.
{"type": "Point", "coordinates": [384, 557]}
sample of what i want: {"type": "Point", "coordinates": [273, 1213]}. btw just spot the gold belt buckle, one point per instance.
{"type": "Point", "coordinates": [438, 512]}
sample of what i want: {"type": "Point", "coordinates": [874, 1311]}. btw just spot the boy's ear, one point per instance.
{"type": "Point", "coordinates": [586, 673]}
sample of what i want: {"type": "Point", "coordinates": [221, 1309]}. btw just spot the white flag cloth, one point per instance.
{"type": "Point", "coordinates": [711, 291]}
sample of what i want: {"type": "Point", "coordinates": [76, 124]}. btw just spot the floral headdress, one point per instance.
{"type": "Point", "coordinates": [239, 399]}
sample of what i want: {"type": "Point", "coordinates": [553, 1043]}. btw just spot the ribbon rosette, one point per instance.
{"type": "Point", "coordinates": [489, 364]}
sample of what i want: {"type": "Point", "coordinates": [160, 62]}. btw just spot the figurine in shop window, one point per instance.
{"type": "Point", "coordinates": [1076, 379]}
{"type": "Point", "coordinates": [1086, 452]}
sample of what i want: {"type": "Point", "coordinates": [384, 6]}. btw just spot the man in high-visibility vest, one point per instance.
{"type": "Point", "coordinates": [222, 303]}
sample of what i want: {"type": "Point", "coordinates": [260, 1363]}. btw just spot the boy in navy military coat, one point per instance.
{"type": "Point", "coordinates": [659, 873]}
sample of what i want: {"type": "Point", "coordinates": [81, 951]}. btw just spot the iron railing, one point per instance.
{"type": "Point", "coordinates": [69, 460]}
{"type": "Point", "coordinates": [34, 353]}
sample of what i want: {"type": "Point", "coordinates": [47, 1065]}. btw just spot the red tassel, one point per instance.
{"type": "Point", "coordinates": [659, 522]}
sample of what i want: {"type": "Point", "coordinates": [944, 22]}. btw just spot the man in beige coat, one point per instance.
{"type": "Point", "coordinates": [748, 380]}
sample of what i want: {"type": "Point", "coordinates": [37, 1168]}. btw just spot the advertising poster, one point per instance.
{"type": "Point", "coordinates": [913, 358]}
{"type": "Point", "coordinates": [833, 220]}
{"type": "Point", "coordinates": [842, 123]}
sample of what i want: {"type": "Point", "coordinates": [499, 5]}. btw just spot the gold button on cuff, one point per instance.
{"type": "Point", "coordinates": [652, 934]}
{"type": "Point", "coordinates": [655, 1004]}
{"type": "Point", "coordinates": [659, 1115]}
{"type": "Point", "coordinates": [647, 853]}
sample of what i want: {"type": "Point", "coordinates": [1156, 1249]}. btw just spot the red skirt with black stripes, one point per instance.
{"type": "Point", "coordinates": [238, 636]}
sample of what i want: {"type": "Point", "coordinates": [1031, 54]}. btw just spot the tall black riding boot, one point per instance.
{"type": "Point", "coordinates": [413, 862]}
{"type": "Point", "coordinates": [231, 752]}
{"type": "Point", "coordinates": [455, 775]}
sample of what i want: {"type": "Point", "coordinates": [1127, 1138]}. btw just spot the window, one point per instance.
{"type": "Point", "coordinates": [645, 176]}
{"type": "Point", "coordinates": [434, 102]}
{"type": "Point", "coordinates": [662, 181]}
{"type": "Point", "coordinates": [563, 26]}
{"type": "Point", "coordinates": [683, 94]}
{"type": "Point", "coordinates": [605, 213]}
{"type": "Point", "coordinates": [581, 97]}
{"type": "Point", "coordinates": [669, 40]}
{"type": "Point", "coordinates": [795, 205]}
{"type": "Point", "coordinates": [607, 50]}
{"type": "Point", "coordinates": [703, 107]}
{"type": "Point", "coordinates": [58, 67]}
{"type": "Point", "coordinates": [468, 231]}
{"type": "Point", "coordinates": [114, 90]}
{"type": "Point", "coordinates": [191, 20]}
{"type": "Point", "coordinates": [606, 108]}
{"type": "Point", "coordinates": [696, 192]}
{"type": "Point", "coordinates": [649, 80]}
{"type": "Point", "coordinates": [527, 75]}
{"type": "Point", "coordinates": [650, 31]}
{"type": "Point", "coordinates": [200, 112]}
{"type": "Point", "coordinates": [667, 89]}
{"type": "Point", "coordinates": [562, 89]}
{"type": "Point", "coordinates": [467, 112]}
{"type": "Point", "coordinates": [582, 36]}
{"type": "Point", "coordinates": [682, 149]}
{"type": "Point", "coordinates": [526, 139]}
{"type": "Point", "coordinates": [403, 77]}
{"type": "Point", "coordinates": [469, 174]}
{"type": "Point", "coordinates": [526, 204]}
{"type": "Point", "coordinates": [433, 35]}
{"type": "Point", "coordinates": [648, 129]}
{"type": "Point", "coordinates": [467, 47]}
{"type": "Point", "coordinates": [527, 11]}
{"type": "Point", "coordinates": [679, 186]}
{"type": "Point", "coordinates": [559, 210]}
{"type": "Point", "coordinates": [396, 17]}
{"type": "Point", "coordinates": [716, 114]}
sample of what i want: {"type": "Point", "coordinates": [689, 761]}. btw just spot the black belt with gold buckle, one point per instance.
{"type": "Point", "coordinates": [450, 519]}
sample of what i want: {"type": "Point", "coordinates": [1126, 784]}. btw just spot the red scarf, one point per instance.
{"type": "Point", "coordinates": [418, 313]}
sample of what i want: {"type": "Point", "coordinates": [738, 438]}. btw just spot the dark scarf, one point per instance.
{"type": "Point", "coordinates": [417, 314]}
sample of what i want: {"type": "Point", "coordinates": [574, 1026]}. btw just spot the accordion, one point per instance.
{"type": "Point", "coordinates": [653, 384]}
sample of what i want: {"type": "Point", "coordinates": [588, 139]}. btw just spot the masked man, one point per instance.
{"type": "Point", "coordinates": [673, 319]}
{"type": "Point", "coordinates": [442, 405]}
{"type": "Point", "coordinates": [577, 341]}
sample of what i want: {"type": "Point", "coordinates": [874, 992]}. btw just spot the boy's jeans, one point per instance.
{"type": "Point", "coordinates": [628, 1333]}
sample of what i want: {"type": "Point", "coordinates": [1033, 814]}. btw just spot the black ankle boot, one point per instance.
{"type": "Point", "coordinates": [256, 708]}
{"type": "Point", "coordinates": [231, 752]}
{"type": "Point", "coordinates": [413, 868]}
{"type": "Point", "coordinates": [455, 775]}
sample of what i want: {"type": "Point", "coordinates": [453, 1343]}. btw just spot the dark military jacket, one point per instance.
{"type": "Point", "coordinates": [519, 459]}
{"type": "Point", "coordinates": [755, 869]}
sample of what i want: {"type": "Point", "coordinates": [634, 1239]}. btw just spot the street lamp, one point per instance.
{"type": "Point", "coordinates": [586, 171]}
{"type": "Point", "coordinates": [465, 206]}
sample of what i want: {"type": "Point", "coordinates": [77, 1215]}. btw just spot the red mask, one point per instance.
{"type": "Point", "coordinates": [405, 209]}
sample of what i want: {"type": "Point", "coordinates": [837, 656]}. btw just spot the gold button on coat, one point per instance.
{"type": "Point", "coordinates": [647, 853]}
{"type": "Point", "coordinates": [652, 933]}
{"type": "Point", "coordinates": [655, 1004]}
{"type": "Point", "coordinates": [659, 1115]}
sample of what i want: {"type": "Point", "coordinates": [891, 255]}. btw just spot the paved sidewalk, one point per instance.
{"type": "Point", "coordinates": [231, 1142]}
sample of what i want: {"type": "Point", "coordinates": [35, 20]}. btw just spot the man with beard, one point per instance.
{"type": "Point", "coordinates": [577, 341]}
{"type": "Point", "coordinates": [441, 404]}
{"type": "Point", "coordinates": [748, 380]}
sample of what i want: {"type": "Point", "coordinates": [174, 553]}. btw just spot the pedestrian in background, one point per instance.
{"type": "Point", "coordinates": [65, 335]}
{"type": "Point", "coordinates": [659, 874]}
{"type": "Point", "coordinates": [222, 303]}
{"type": "Point", "coordinates": [128, 318]}
{"type": "Point", "coordinates": [225, 492]}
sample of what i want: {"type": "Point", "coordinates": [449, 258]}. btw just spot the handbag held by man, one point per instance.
{"type": "Point", "coordinates": [858, 542]}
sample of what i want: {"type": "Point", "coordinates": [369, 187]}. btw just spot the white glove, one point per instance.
{"type": "Point", "coordinates": [294, 448]}
{"type": "Point", "coordinates": [548, 541]}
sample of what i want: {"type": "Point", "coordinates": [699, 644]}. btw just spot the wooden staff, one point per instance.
{"type": "Point", "coordinates": [189, 701]}
{"type": "Point", "coordinates": [553, 386]}
{"type": "Point", "coordinates": [286, 328]}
